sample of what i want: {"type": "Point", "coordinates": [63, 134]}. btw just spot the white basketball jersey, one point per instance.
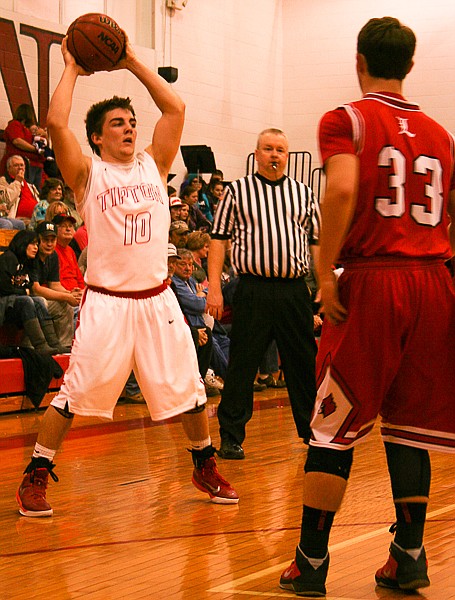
{"type": "Point", "coordinates": [126, 211]}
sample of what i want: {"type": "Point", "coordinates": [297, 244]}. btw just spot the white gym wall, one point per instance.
{"type": "Point", "coordinates": [247, 64]}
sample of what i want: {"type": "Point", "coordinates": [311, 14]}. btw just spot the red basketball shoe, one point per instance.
{"type": "Point", "coordinates": [31, 495]}
{"type": "Point", "coordinates": [207, 479]}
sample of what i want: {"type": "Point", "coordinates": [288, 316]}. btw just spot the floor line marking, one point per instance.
{"type": "Point", "coordinates": [283, 594]}
{"type": "Point", "coordinates": [232, 585]}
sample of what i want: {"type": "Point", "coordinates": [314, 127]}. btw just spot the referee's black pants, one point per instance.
{"type": "Point", "coordinates": [264, 309]}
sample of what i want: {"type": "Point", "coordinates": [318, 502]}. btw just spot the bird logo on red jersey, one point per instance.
{"type": "Point", "coordinates": [328, 406]}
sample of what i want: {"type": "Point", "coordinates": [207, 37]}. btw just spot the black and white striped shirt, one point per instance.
{"type": "Point", "coordinates": [271, 225]}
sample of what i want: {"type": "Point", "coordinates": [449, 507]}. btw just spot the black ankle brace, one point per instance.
{"type": "Point", "coordinates": [199, 456]}
{"type": "Point", "coordinates": [41, 463]}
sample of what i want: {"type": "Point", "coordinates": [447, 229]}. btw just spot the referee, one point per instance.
{"type": "Point", "coordinates": [272, 222]}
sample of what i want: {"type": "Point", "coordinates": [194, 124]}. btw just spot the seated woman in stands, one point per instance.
{"type": "Point", "coordinates": [56, 208]}
{"type": "Point", "coordinates": [198, 243]}
{"type": "Point", "coordinates": [17, 306]}
{"type": "Point", "coordinates": [215, 193]}
{"type": "Point", "coordinates": [52, 191]}
{"type": "Point", "coordinates": [196, 220]}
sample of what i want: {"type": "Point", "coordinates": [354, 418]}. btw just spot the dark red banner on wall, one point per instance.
{"type": "Point", "coordinates": [12, 66]}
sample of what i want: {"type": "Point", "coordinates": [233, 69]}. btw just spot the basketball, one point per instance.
{"type": "Point", "coordinates": [96, 41]}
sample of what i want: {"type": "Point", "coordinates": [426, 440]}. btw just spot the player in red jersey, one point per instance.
{"type": "Point", "coordinates": [387, 344]}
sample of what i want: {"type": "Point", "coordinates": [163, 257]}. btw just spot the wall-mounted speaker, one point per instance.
{"type": "Point", "coordinates": [170, 74]}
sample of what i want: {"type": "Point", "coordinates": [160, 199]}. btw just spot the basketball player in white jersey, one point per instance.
{"type": "Point", "coordinates": [129, 319]}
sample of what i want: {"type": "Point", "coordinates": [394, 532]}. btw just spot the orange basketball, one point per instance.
{"type": "Point", "coordinates": [95, 41]}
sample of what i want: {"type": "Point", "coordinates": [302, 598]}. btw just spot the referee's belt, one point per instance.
{"type": "Point", "coordinates": [136, 295]}
{"type": "Point", "coordinates": [271, 279]}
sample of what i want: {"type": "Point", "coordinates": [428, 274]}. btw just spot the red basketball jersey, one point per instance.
{"type": "Point", "coordinates": [406, 173]}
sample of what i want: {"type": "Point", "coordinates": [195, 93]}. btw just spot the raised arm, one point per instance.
{"type": "Point", "coordinates": [75, 167]}
{"type": "Point", "coordinates": [168, 129]}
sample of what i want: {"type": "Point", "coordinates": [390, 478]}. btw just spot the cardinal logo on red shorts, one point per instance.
{"type": "Point", "coordinates": [328, 406]}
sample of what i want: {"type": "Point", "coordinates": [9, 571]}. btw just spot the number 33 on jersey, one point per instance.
{"type": "Point", "coordinates": [407, 162]}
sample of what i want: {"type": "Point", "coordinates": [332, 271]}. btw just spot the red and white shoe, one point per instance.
{"type": "Point", "coordinates": [207, 479]}
{"type": "Point", "coordinates": [31, 495]}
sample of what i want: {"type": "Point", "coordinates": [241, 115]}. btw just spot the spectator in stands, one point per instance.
{"type": "Point", "coordinates": [131, 393]}
{"type": "Point", "coordinates": [198, 242]}
{"type": "Point", "coordinates": [82, 260]}
{"type": "Point", "coordinates": [5, 205]}
{"type": "Point", "coordinates": [178, 233]}
{"type": "Point", "coordinates": [19, 141]}
{"type": "Point", "coordinates": [192, 298]}
{"type": "Point", "coordinates": [196, 181]}
{"type": "Point", "coordinates": [217, 175]}
{"type": "Point", "coordinates": [196, 219]}
{"type": "Point", "coordinates": [17, 307]}
{"type": "Point", "coordinates": [270, 365]}
{"type": "Point", "coordinates": [215, 192]}
{"type": "Point", "coordinates": [56, 208]}
{"type": "Point", "coordinates": [60, 301]}
{"type": "Point", "coordinates": [175, 205]}
{"type": "Point", "coordinates": [51, 191]}
{"type": "Point", "coordinates": [79, 241]}
{"type": "Point", "coordinates": [70, 274]}
{"type": "Point", "coordinates": [23, 196]}
{"type": "Point", "coordinates": [185, 182]}
{"type": "Point", "coordinates": [202, 335]}
{"type": "Point", "coordinates": [185, 213]}
{"type": "Point", "coordinates": [203, 201]}
{"type": "Point", "coordinates": [69, 200]}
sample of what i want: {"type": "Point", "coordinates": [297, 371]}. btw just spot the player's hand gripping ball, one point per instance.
{"type": "Point", "coordinates": [96, 42]}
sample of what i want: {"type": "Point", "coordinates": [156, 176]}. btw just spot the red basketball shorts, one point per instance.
{"type": "Point", "coordinates": [394, 356]}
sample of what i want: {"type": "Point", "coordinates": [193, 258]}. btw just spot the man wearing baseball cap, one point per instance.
{"type": "Point", "coordinates": [175, 204]}
{"type": "Point", "coordinates": [178, 233]}
{"type": "Point", "coordinates": [60, 301]}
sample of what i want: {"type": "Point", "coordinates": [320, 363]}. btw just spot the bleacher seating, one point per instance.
{"type": "Point", "coordinates": [12, 386]}
{"type": "Point", "coordinates": [6, 235]}
{"type": "Point", "coordinates": [9, 335]}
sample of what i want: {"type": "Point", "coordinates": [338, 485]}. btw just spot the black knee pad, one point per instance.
{"type": "Point", "coordinates": [196, 410]}
{"type": "Point", "coordinates": [325, 460]}
{"type": "Point", "coordinates": [63, 411]}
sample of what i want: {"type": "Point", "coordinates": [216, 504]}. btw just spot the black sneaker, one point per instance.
{"type": "Point", "coordinates": [402, 571]}
{"type": "Point", "coordinates": [306, 576]}
{"type": "Point", "coordinates": [230, 450]}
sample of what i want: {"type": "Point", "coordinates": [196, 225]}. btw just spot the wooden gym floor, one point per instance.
{"type": "Point", "coordinates": [128, 524]}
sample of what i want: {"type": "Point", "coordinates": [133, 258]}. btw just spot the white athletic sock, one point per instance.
{"type": "Point", "coordinates": [200, 445]}
{"type": "Point", "coordinates": [42, 452]}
